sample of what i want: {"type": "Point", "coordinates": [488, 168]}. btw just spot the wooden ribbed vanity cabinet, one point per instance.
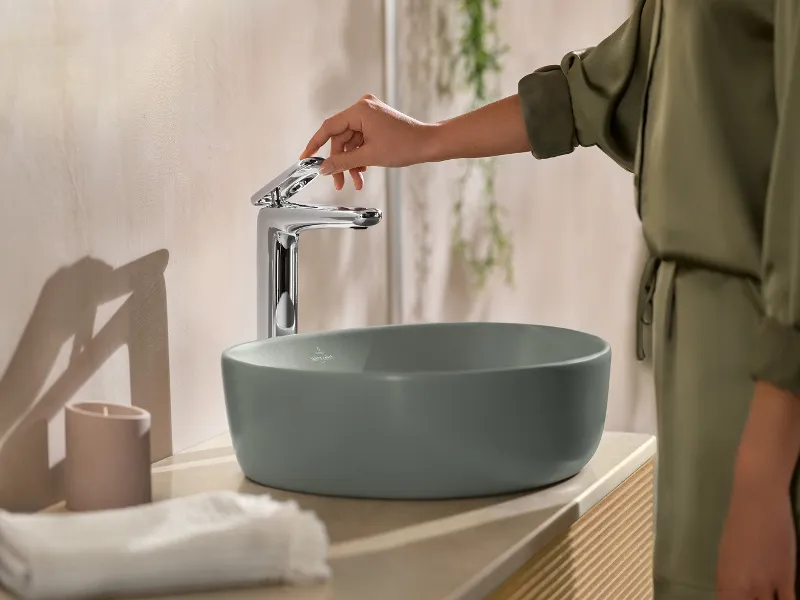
{"type": "Point", "coordinates": [604, 555]}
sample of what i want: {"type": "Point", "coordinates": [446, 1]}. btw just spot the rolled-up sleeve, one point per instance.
{"type": "Point", "coordinates": [777, 348]}
{"type": "Point", "coordinates": [594, 97]}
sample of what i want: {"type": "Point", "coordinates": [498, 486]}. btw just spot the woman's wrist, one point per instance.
{"type": "Point", "coordinates": [448, 139]}
{"type": "Point", "coordinates": [434, 143]}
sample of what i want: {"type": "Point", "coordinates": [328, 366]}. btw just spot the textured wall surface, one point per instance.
{"type": "Point", "coordinates": [133, 134]}
{"type": "Point", "coordinates": [578, 247]}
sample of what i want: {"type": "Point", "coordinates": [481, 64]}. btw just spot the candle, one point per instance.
{"type": "Point", "coordinates": [108, 456]}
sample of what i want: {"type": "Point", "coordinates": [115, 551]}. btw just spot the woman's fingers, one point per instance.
{"type": "Point", "coordinates": [355, 141]}
{"type": "Point", "coordinates": [345, 142]}
{"type": "Point", "coordinates": [338, 145]}
{"type": "Point", "coordinates": [356, 173]}
{"type": "Point", "coordinates": [358, 180]}
{"type": "Point", "coordinates": [333, 126]}
{"type": "Point", "coordinates": [344, 131]}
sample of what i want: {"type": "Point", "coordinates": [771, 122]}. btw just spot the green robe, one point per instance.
{"type": "Point", "coordinates": [700, 99]}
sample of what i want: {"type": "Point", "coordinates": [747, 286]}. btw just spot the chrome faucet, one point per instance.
{"type": "Point", "coordinates": [280, 223]}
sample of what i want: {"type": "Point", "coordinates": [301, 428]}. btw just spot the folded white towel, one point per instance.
{"type": "Point", "coordinates": [205, 541]}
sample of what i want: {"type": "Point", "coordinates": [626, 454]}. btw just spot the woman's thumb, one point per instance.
{"type": "Point", "coordinates": [344, 161]}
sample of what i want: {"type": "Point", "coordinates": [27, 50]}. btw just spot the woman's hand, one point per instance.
{"type": "Point", "coordinates": [369, 133]}
{"type": "Point", "coordinates": [757, 552]}
{"type": "Point", "coordinates": [758, 547]}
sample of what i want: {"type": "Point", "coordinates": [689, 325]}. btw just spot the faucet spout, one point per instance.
{"type": "Point", "coordinates": [293, 218]}
{"type": "Point", "coordinates": [280, 223]}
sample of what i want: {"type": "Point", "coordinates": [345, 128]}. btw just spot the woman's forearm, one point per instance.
{"type": "Point", "coordinates": [492, 130]}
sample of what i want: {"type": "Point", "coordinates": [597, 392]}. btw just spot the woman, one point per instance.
{"type": "Point", "coordinates": [701, 100]}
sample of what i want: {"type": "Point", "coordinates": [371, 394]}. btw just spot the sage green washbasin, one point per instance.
{"type": "Point", "coordinates": [441, 410]}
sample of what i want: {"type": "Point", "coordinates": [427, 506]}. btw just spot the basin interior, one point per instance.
{"type": "Point", "coordinates": [423, 348]}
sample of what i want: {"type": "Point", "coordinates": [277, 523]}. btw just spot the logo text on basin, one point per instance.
{"type": "Point", "coordinates": [321, 356]}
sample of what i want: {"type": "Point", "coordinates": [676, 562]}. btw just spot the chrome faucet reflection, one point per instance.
{"type": "Point", "coordinates": [280, 223]}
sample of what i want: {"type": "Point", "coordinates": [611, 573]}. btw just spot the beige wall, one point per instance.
{"type": "Point", "coordinates": [578, 247]}
{"type": "Point", "coordinates": [133, 134]}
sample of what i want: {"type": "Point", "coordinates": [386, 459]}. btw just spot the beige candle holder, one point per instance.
{"type": "Point", "coordinates": [108, 456]}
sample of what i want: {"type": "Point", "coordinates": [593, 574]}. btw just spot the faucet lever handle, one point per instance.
{"type": "Point", "coordinates": [293, 217]}
{"type": "Point", "coordinates": [288, 183]}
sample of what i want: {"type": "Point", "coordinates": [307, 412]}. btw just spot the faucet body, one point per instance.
{"type": "Point", "coordinates": [280, 223]}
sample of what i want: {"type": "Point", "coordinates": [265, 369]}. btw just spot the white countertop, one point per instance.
{"type": "Point", "coordinates": [425, 550]}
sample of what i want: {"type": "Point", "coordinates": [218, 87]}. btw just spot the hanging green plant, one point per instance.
{"type": "Point", "coordinates": [477, 62]}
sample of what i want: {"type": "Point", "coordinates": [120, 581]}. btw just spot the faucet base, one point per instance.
{"type": "Point", "coordinates": [277, 283]}
{"type": "Point", "coordinates": [278, 232]}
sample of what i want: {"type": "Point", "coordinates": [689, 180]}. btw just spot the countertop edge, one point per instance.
{"type": "Point", "coordinates": [503, 567]}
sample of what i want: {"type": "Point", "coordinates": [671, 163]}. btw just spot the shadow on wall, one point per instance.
{"type": "Point", "coordinates": [65, 310]}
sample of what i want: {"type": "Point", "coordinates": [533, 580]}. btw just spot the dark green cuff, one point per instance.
{"type": "Point", "coordinates": [777, 355]}
{"type": "Point", "coordinates": [547, 110]}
